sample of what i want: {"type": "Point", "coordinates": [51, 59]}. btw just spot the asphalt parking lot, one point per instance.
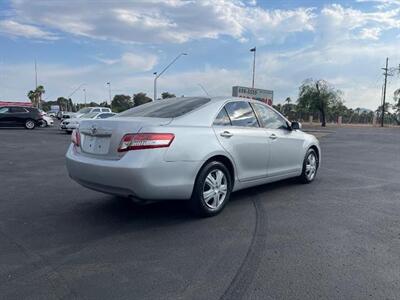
{"type": "Point", "coordinates": [336, 238]}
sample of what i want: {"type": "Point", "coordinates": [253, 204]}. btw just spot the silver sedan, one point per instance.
{"type": "Point", "coordinates": [196, 149]}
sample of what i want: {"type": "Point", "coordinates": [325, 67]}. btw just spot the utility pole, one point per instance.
{"type": "Point", "coordinates": [254, 65]}
{"type": "Point", "coordinates": [386, 74]}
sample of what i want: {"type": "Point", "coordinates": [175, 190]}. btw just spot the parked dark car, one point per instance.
{"type": "Point", "coordinates": [15, 116]}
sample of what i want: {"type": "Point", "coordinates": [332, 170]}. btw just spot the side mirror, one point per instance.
{"type": "Point", "coordinates": [296, 125]}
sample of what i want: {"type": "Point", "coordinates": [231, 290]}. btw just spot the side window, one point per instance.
{"type": "Point", "coordinates": [241, 114]}
{"type": "Point", "coordinates": [18, 110]}
{"type": "Point", "coordinates": [105, 110]}
{"type": "Point", "coordinates": [96, 110]}
{"type": "Point", "coordinates": [4, 110]}
{"type": "Point", "coordinates": [104, 116]}
{"type": "Point", "coordinates": [222, 119]}
{"type": "Point", "coordinates": [269, 118]}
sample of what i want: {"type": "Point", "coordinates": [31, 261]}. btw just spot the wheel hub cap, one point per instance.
{"type": "Point", "coordinates": [215, 189]}
{"type": "Point", "coordinates": [311, 166]}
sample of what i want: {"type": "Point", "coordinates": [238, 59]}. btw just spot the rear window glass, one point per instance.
{"type": "Point", "coordinates": [171, 108]}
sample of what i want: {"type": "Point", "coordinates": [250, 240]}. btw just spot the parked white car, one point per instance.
{"type": "Point", "coordinates": [47, 121]}
{"type": "Point", "coordinates": [70, 124]}
{"type": "Point", "coordinates": [87, 110]}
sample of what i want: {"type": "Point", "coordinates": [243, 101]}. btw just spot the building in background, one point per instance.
{"type": "Point", "coordinates": [266, 96]}
{"type": "Point", "coordinates": [14, 103]}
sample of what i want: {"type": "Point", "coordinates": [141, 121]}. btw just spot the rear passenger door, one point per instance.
{"type": "Point", "coordinates": [239, 133]}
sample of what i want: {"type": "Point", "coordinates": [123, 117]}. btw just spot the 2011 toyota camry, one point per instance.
{"type": "Point", "coordinates": [196, 149]}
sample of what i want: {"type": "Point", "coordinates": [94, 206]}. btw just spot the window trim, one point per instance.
{"type": "Point", "coordinates": [245, 101]}
{"type": "Point", "coordinates": [229, 118]}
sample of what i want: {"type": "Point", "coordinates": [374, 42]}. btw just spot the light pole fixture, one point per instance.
{"type": "Point", "coordinates": [157, 75]}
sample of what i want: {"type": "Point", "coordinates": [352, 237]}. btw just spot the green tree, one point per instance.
{"type": "Point", "coordinates": [319, 96]}
{"type": "Point", "coordinates": [36, 95]}
{"type": "Point", "coordinates": [166, 95]}
{"type": "Point", "coordinates": [105, 104]}
{"type": "Point", "coordinates": [396, 106]}
{"type": "Point", "coordinates": [121, 103]}
{"type": "Point", "coordinates": [139, 99]}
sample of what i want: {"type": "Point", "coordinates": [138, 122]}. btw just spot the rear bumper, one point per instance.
{"type": "Point", "coordinates": [134, 175]}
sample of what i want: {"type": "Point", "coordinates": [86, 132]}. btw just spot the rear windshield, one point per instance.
{"type": "Point", "coordinates": [170, 108]}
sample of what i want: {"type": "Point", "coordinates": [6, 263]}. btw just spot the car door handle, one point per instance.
{"type": "Point", "coordinates": [226, 134]}
{"type": "Point", "coordinates": [273, 136]}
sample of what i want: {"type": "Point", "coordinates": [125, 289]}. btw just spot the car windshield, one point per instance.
{"type": "Point", "coordinates": [171, 108]}
{"type": "Point", "coordinates": [84, 110]}
{"type": "Point", "coordinates": [89, 115]}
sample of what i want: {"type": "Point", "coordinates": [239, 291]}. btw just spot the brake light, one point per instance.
{"type": "Point", "coordinates": [140, 141]}
{"type": "Point", "coordinates": [76, 137]}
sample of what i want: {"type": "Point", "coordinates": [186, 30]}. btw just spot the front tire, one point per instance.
{"type": "Point", "coordinates": [212, 189]}
{"type": "Point", "coordinates": [30, 124]}
{"type": "Point", "coordinates": [310, 166]}
{"type": "Point", "coordinates": [44, 124]}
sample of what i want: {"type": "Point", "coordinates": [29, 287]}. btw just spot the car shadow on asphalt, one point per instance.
{"type": "Point", "coordinates": [117, 210]}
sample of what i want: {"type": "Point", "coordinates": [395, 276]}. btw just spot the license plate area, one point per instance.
{"type": "Point", "coordinates": [96, 144]}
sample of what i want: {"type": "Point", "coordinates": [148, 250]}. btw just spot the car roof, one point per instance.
{"type": "Point", "coordinates": [205, 114]}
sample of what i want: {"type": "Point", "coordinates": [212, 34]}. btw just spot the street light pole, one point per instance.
{"type": "Point", "coordinates": [254, 65]}
{"type": "Point", "coordinates": [109, 94]}
{"type": "Point", "coordinates": [157, 75]}
{"type": "Point", "coordinates": [84, 93]}
{"type": "Point", "coordinates": [155, 86]}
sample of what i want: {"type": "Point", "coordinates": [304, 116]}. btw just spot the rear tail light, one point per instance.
{"type": "Point", "coordinates": [140, 141]}
{"type": "Point", "coordinates": [76, 137]}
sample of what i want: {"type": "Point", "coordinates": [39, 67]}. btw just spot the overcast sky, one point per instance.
{"type": "Point", "coordinates": [124, 42]}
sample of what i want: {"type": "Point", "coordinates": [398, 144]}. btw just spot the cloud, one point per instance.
{"type": "Point", "coordinates": [164, 21]}
{"type": "Point", "coordinates": [15, 29]}
{"type": "Point", "coordinates": [370, 33]}
{"type": "Point", "coordinates": [139, 62]}
{"type": "Point", "coordinates": [337, 23]}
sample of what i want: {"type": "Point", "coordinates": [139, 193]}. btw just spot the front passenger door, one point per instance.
{"type": "Point", "coordinates": [239, 133]}
{"type": "Point", "coordinates": [286, 145]}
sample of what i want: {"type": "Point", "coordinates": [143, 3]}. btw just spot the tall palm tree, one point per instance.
{"type": "Point", "coordinates": [36, 95]}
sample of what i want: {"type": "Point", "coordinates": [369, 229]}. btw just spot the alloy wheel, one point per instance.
{"type": "Point", "coordinates": [30, 124]}
{"type": "Point", "coordinates": [311, 166]}
{"type": "Point", "coordinates": [215, 189]}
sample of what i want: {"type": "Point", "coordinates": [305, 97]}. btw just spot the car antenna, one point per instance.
{"type": "Point", "coordinates": [204, 90]}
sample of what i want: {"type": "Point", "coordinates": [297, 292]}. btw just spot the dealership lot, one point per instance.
{"type": "Point", "coordinates": [338, 237]}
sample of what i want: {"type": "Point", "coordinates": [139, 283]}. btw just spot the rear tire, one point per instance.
{"type": "Point", "coordinates": [212, 190]}
{"type": "Point", "coordinates": [30, 124]}
{"type": "Point", "coordinates": [310, 167]}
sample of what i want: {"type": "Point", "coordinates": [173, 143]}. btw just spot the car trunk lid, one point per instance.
{"type": "Point", "coordinates": [101, 138]}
